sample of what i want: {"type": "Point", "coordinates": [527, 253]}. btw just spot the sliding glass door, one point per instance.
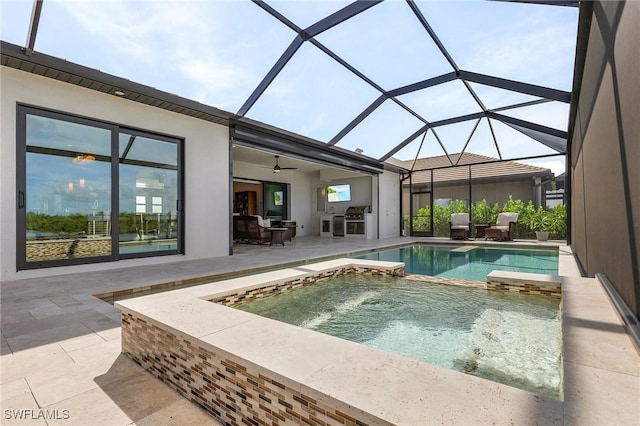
{"type": "Point", "coordinates": [74, 173]}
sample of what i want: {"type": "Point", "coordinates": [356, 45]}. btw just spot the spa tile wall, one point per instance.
{"type": "Point", "coordinates": [243, 296]}
{"type": "Point", "coordinates": [525, 287]}
{"type": "Point", "coordinates": [231, 391]}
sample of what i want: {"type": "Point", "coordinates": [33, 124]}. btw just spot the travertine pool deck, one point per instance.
{"type": "Point", "coordinates": [61, 350]}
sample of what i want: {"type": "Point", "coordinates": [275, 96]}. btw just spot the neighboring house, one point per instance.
{"type": "Point", "coordinates": [493, 181]}
{"type": "Point", "coordinates": [555, 193]}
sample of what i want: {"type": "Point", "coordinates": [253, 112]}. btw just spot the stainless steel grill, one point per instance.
{"type": "Point", "coordinates": [355, 213]}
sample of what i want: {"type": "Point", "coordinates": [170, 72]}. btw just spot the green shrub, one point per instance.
{"type": "Point", "coordinates": [482, 212]}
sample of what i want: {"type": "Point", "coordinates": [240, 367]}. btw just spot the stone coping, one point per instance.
{"type": "Point", "coordinates": [383, 386]}
{"type": "Point", "coordinates": [462, 246]}
{"type": "Point", "coordinates": [513, 276]}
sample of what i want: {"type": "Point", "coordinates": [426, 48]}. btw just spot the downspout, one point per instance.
{"type": "Point", "coordinates": [470, 209]}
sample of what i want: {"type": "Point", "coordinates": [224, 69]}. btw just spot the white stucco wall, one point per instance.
{"type": "Point", "coordinates": [389, 204]}
{"type": "Point", "coordinates": [206, 165]}
{"type": "Point", "coordinates": [300, 198]}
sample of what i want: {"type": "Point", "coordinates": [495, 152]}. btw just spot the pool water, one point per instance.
{"type": "Point", "coordinates": [468, 262]}
{"type": "Point", "coordinates": [508, 338]}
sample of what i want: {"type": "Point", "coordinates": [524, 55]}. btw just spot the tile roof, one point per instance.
{"type": "Point", "coordinates": [493, 169]}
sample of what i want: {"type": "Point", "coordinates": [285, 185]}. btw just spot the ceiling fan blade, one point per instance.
{"type": "Point", "coordinates": [277, 168]}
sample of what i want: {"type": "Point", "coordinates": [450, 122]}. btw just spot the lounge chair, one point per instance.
{"type": "Point", "coordinates": [459, 226]}
{"type": "Point", "coordinates": [248, 230]}
{"type": "Point", "coordinates": [504, 228]}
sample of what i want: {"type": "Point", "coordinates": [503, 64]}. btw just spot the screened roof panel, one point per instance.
{"type": "Point", "coordinates": [14, 21]}
{"type": "Point", "coordinates": [514, 144]}
{"type": "Point", "coordinates": [391, 55]}
{"type": "Point", "coordinates": [451, 139]}
{"type": "Point", "coordinates": [442, 101]}
{"type": "Point", "coordinates": [552, 114]}
{"type": "Point", "coordinates": [523, 42]}
{"type": "Point", "coordinates": [422, 146]}
{"type": "Point", "coordinates": [412, 149]}
{"type": "Point", "coordinates": [495, 98]}
{"type": "Point", "coordinates": [382, 130]}
{"type": "Point", "coordinates": [482, 141]}
{"type": "Point", "coordinates": [212, 62]}
{"type": "Point", "coordinates": [454, 137]}
{"type": "Point", "coordinates": [555, 143]}
{"type": "Point", "coordinates": [313, 95]}
{"type": "Point", "coordinates": [312, 12]}
{"type": "Point", "coordinates": [237, 56]}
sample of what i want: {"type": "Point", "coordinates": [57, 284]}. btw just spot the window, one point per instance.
{"type": "Point", "coordinates": [148, 198]}
{"type": "Point", "coordinates": [73, 173]}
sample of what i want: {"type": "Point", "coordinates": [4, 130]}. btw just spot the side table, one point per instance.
{"type": "Point", "coordinates": [291, 231]}
{"type": "Point", "coordinates": [480, 230]}
{"type": "Point", "coordinates": [277, 235]}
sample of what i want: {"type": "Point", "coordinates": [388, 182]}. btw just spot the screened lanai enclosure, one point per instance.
{"type": "Point", "coordinates": [469, 100]}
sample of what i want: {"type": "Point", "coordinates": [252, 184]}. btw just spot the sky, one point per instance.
{"type": "Point", "coordinates": [217, 52]}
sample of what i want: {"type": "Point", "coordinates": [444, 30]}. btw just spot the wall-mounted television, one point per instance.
{"type": "Point", "coordinates": [337, 193]}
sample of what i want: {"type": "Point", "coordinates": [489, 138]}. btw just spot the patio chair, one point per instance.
{"type": "Point", "coordinates": [504, 228]}
{"type": "Point", "coordinates": [459, 226]}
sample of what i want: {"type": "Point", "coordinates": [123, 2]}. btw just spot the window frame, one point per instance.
{"type": "Point", "coordinates": [24, 110]}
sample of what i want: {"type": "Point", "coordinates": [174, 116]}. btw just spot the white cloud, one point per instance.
{"type": "Point", "coordinates": [185, 47]}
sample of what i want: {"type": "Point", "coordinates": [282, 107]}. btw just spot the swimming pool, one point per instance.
{"type": "Point", "coordinates": [468, 262]}
{"type": "Point", "coordinates": [507, 338]}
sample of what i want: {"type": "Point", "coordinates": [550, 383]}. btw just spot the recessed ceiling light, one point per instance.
{"type": "Point", "coordinates": [118, 93]}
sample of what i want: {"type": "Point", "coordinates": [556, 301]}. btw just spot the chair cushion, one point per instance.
{"type": "Point", "coordinates": [505, 218]}
{"type": "Point", "coordinates": [459, 227]}
{"type": "Point", "coordinates": [460, 219]}
{"type": "Point", "coordinates": [501, 227]}
{"type": "Point", "coordinates": [266, 223]}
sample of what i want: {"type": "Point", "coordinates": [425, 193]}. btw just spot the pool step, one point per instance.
{"type": "Point", "coordinates": [463, 249]}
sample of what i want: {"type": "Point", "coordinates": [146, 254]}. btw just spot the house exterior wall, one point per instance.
{"type": "Point", "coordinates": [605, 148]}
{"type": "Point", "coordinates": [389, 204]}
{"type": "Point", "coordinates": [206, 165]}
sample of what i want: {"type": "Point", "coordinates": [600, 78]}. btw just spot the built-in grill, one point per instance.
{"type": "Point", "coordinates": [355, 212]}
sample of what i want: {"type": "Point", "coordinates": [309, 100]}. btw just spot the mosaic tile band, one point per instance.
{"type": "Point", "coordinates": [233, 390]}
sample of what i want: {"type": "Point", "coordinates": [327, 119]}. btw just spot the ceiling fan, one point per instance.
{"type": "Point", "coordinates": [277, 168]}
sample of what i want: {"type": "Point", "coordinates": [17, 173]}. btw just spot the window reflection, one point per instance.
{"type": "Point", "coordinates": [68, 196]}
{"type": "Point", "coordinates": [148, 194]}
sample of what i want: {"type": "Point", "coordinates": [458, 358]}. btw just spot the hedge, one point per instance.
{"type": "Point", "coordinates": [530, 219]}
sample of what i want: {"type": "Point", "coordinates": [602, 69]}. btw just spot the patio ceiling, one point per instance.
{"type": "Point", "coordinates": [403, 79]}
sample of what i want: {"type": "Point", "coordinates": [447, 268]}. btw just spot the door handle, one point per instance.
{"type": "Point", "coordinates": [20, 199]}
